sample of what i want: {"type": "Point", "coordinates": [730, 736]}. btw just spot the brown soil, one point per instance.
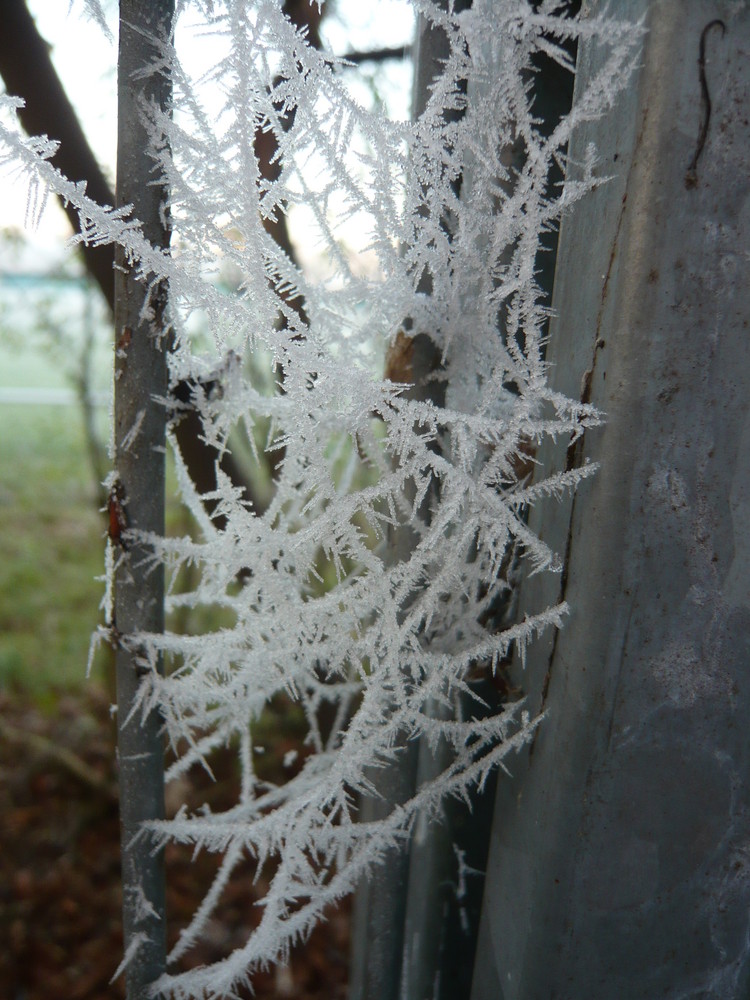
{"type": "Point", "coordinates": [60, 897]}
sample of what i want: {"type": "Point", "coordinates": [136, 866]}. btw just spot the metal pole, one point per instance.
{"type": "Point", "coordinates": [137, 499]}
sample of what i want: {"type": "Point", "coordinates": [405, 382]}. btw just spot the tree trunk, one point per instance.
{"type": "Point", "coordinates": [619, 862]}
{"type": "Point", "coordinates": [138, 493]}
{"type": "Point", "coordinates": [28, 72]}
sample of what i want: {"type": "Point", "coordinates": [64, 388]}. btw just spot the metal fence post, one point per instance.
{"type": "Point", "coordinates": [138, 493]}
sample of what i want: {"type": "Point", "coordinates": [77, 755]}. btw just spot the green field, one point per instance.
{"type": "Point", "coordinates": [51, 548]}
{"type": "Point", "coordinates": [52, 533]}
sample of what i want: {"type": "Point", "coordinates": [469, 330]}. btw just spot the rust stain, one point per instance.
{"type": "Point", "coordinates": [124, 342]}
{"type": "Point", "coordinates": [399, 361]}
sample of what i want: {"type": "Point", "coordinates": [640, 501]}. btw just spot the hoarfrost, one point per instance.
{"type": "Point", "coordinates": [320, 601]}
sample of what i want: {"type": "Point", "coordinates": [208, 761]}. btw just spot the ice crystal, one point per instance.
{"type": "Point", "coordinates": [369, 582]}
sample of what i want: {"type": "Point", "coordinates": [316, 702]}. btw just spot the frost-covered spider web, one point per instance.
{"type": "Point", "coordinates": [316, 599]}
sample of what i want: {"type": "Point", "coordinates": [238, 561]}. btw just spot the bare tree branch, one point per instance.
{"type": "Point", "coordinates": [392, 52]}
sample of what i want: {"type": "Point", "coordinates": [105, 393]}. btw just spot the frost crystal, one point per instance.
{"type": "Point", "coordinates": [370, 580]}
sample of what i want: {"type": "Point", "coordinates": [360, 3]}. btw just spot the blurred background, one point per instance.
{"type": "Point", "coordinates": [59, 862]}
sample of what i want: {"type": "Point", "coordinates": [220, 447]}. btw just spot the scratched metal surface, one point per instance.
{"type": "Point", "coordinates": [620, 865]}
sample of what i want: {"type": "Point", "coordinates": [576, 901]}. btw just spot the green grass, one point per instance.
{"type": "Point", "coordinates": [51, 550]}
{"type": "Point", "coordinates": [52, 540]}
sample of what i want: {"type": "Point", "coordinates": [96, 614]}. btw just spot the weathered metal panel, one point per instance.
{"type": "Point", "coordinates": [620, 864]}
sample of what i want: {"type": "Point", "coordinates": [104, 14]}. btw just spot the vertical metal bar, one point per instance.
{"type": "Point", "coordinates": [383, 960]}
{"type": "Point", "coordinates": [445, 859]}
{"type": "Point", "coordinates": [140, 378]}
